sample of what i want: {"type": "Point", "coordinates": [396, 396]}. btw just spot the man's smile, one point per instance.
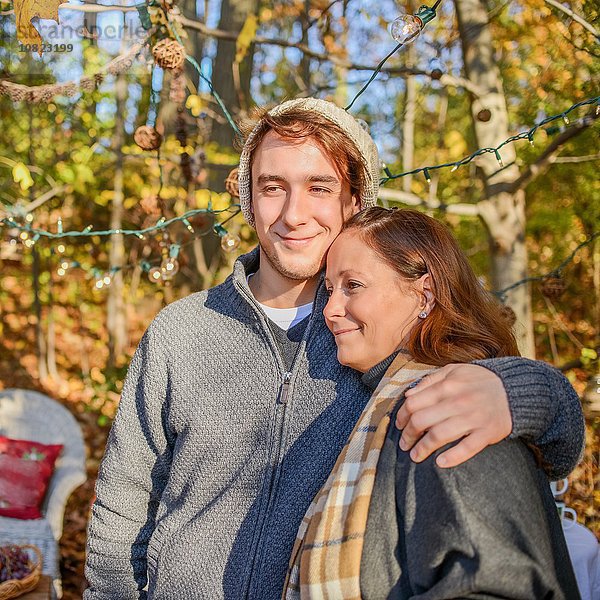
{"type": "Point", "coordinates": [296, 241]}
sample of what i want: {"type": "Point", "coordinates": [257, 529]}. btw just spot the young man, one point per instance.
{"type": "Point", "coordinates": [235, 406]}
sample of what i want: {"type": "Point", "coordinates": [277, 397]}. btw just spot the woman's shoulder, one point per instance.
{"type": "Point", "coordinates": [493, 472]}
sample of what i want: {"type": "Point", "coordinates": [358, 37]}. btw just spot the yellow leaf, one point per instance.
{"type": "Point", "coordinates": [202, 198]}
{"type": "Point", "coordinates": [194, 104]}
{"type": "Point", "coordinates": [245, 38]}
{"type": "Point", "coordinates": [26, 10]}
{"type": "Point", "coordinates": [456, 144]}
{"type": "Point", "coordinates": [22, 176]}
{"type": "Point", "coordinates": [220, 201]}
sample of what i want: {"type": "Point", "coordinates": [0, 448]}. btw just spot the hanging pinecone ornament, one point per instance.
{"type": "Point", "coordinates": [147, 138]}
{"type": "Point", "coordinates": [232, 184]}
{"type": "Point", "coordinates": [509, 314]}
{"type": "Point", "coordinates": [553, 287]}
{"type": "Point", "coordinates": [169, 54]}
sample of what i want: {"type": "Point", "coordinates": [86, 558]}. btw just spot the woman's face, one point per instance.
{"type": "Point", "coordinates": [371, 309]}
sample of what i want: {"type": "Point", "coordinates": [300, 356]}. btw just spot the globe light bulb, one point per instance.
{"type": "Point", "coordinates": [107, 279]}
{"type": "Point", "coordinates": [230, 242]}
{"type": "Point", "coordinates": [406, 28]}
{"type": "Point", "coordinates": [154, 275]}
{"type": "Point", "coordinates": [169, 268]}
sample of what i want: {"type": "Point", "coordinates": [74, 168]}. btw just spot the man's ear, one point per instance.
{"type": "Point", "coordinates": [355, 204]}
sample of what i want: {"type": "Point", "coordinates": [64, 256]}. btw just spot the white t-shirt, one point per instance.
{"type": "Point", "coordinates": [285, 318]}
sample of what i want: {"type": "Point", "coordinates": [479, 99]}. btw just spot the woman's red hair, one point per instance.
{"type": "Point", "coordinates": [466, 322]}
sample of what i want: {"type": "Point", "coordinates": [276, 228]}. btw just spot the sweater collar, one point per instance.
{"type": "Point", "coordinates": [374, 375]}
{"type": "Point", "coordinates": [249, 263]}
{"type": "Point", "coordinates": [244, 265]}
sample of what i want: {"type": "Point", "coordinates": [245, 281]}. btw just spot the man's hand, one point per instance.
{"type": "Point", "coordinates": [457, 401]}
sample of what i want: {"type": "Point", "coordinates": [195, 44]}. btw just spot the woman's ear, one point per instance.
{"type": "Point", "coordinates": [427, 293]}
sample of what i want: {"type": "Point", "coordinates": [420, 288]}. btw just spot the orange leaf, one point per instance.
{"type": "Point", "coordinates": [26, 10]}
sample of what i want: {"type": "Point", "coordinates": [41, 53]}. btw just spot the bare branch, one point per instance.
{"type": "Point", "coordinates": [96, 8]}
{"type": "Point", "coordinates": [44, 198]}
{"type": "Point", "coordinates": [577, 159]}
{"type": "Point", "coordinates": [19, 208]}
{"type": "Point", "coordinates": [410, 199]}
{"type": "Point", "coordinates": [446, 80]}
{"type": "Point", "coordinates": [549, 156]}
{"type": "Point", "coordinates": [87, 8]}
{"type": "Point", "coordinates": [574, 16]}
{"type": "Point", "coordinates": [323, 12]}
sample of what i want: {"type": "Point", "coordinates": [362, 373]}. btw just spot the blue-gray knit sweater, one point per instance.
{"type": "Point", "coordinates": [217, 450]}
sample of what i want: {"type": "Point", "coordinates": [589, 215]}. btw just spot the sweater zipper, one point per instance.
{"type": "Point", "coordinates": [282, 402]}
{"type": "Point", "coordinates": [285, 387]}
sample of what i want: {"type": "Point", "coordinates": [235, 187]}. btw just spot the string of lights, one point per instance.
{"type": "Point", "coordinates": [158, 270]}
{"type": "Point", "coordinates": [528, 135]}
{"type": "Point", "coordinates": [555, 273]}
{"type": "Point", "coordinates": [33, 234]}
{"type": "Point", "coordinates": [404, 29]}
{"type": "Point", "coordinates": [163, 223]}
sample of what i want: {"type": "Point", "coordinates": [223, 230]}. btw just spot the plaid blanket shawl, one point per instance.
{"type": "Point", "coordinates": [325, 561]}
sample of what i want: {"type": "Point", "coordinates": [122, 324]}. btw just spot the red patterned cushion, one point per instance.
{"type": "Point", "coordinates": [25, 470]}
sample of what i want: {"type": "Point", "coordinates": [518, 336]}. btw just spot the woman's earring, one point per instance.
{"type": "Point", "coordinates": [422, 315]}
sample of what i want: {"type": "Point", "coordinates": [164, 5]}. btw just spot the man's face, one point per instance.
{"type": "Point", "coordinates": [299, 202]}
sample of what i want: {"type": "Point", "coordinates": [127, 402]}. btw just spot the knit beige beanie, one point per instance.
{"type": "Point", "coordinates": [353, 129]}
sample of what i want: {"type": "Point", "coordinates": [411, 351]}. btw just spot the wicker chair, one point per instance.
{"type": "Point", "coordinates": [30, 415]}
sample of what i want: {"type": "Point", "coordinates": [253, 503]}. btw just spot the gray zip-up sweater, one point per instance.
{"type": "Point", "coordinates": [217, 450]}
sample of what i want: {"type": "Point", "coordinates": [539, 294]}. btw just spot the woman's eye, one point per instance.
{"type": "Point", "coordinates": [329, 291]}
{"type": "Point", "coordinates": [352, 285]}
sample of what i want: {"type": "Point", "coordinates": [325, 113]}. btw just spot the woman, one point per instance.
{"type": "Point", "coordinates": [404, 301]}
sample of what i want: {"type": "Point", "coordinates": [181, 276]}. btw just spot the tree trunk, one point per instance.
{"type": "Point", "coordinates": [194, 44]}
{"type": "Point", "coordinates": [116, 319]}
{"type": "Point", "coordinates": [340, 95]}
{"type": "Point", "coordinates": [37, 304]}
{"type": "Point", "coordinates": [304, 67]}
{"type": "Point", "coordinates": [502, 212]}
{"type": "Point", "coordinates": [234, 90]}
{"type": "Point", "coordinates": [233, 16]}
{"type": "Point", "coordinates": [35, 273]}
{"type": "Point", "coordinates": [408, 121]}
{"type": "Point", "coordinates": [51, 331]}
{"type": "Point", "coordinates": [595, 249]}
